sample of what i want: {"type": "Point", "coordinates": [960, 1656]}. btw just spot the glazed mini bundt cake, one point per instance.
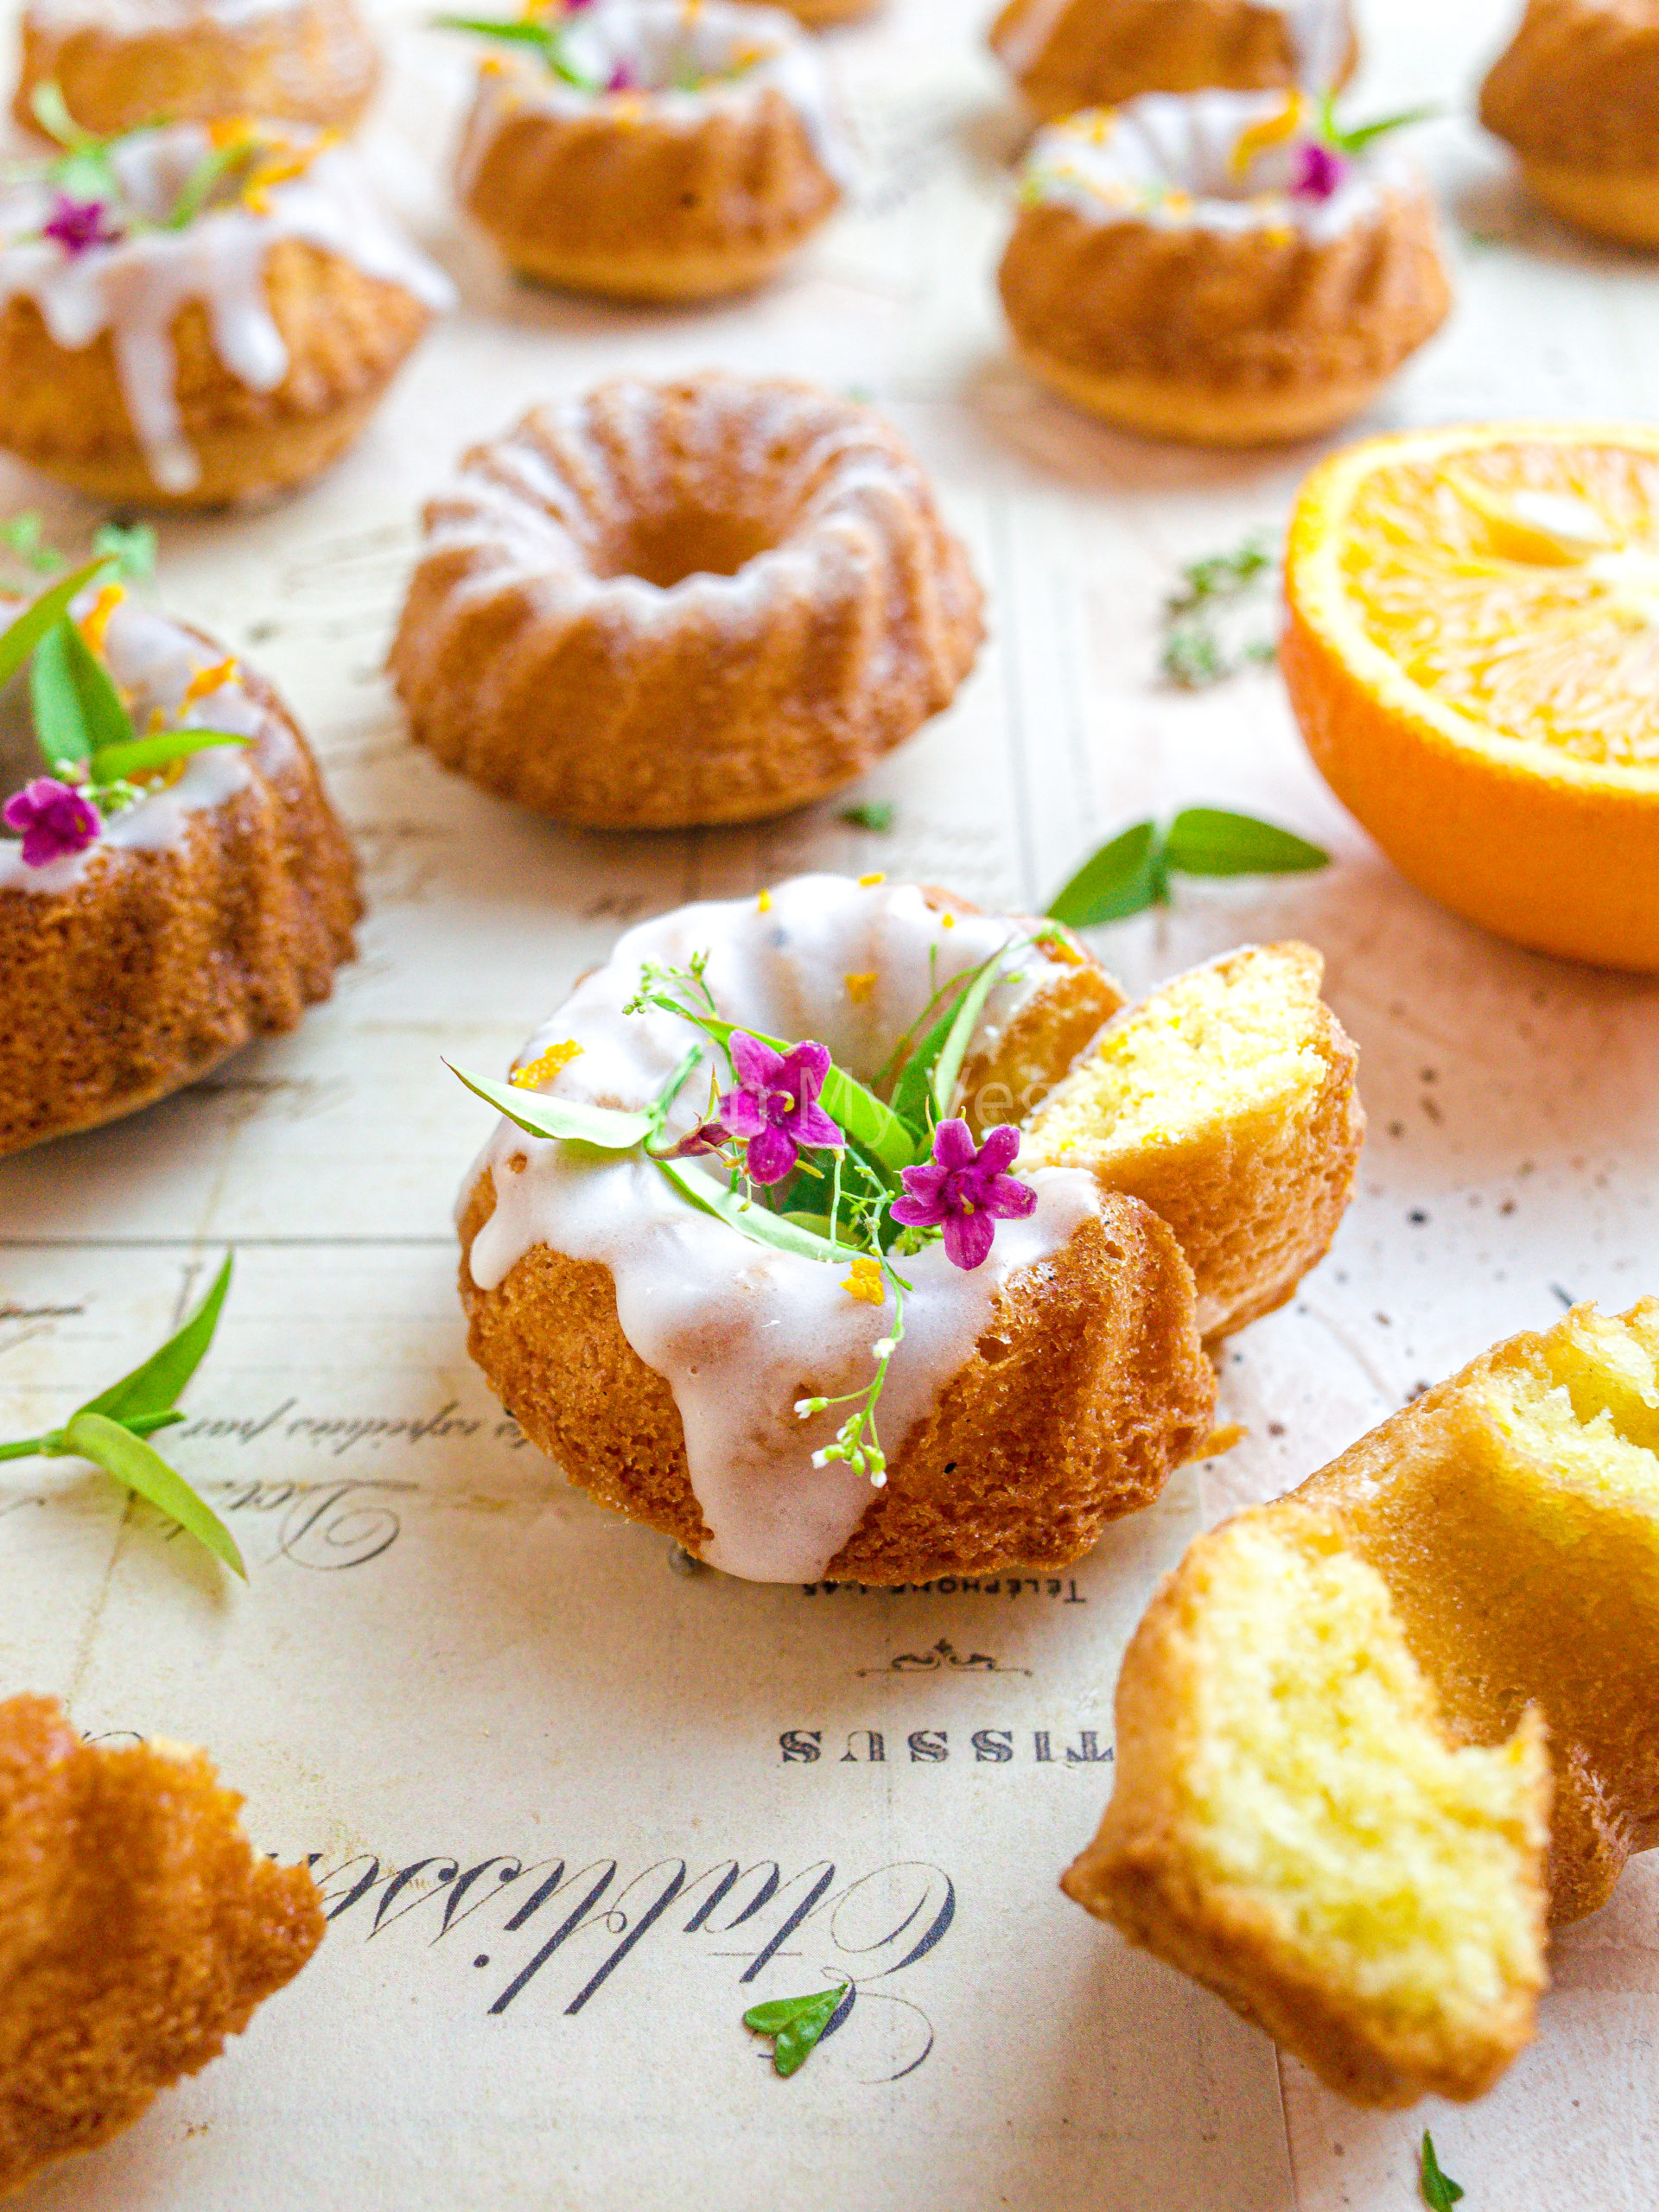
{"type": "Point", "coordinates": [1227, 1101]}
{"type": "Point", "coordinates": [655, 150]}
{"type": "Point", "coordinates": [1040, 1375]}
{"type": "Point", "coordinates": [137, 1930]}
{"type": "Point", "coordinates": [1577, 96]}
{"type": "Point", "coordinates": [670, 604]}
{"type": "Point", "coordinates": [1069, 54]}
{"type": "Point", "coordinates": [1209, 269]}
{"type": "Point", "coordinates": [140, 947]}
{"type": "Point", "coordinates": [1372, 1738]}
{"type": "Point", "coordinates": [220, 321]}
{"type": "Point", "coordinates": [120, 64]}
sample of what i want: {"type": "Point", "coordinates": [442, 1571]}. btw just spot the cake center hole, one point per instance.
{"type": "Point", "coordinates": [665, 548]}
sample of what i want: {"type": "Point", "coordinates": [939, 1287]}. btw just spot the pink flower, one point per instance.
{"type": "Point", "coordinates": [775, 1110]}
{"type": "Point", "coordinates": [966, 1192]}
{"type": "Point", "coordinates": [78, 225]}
{"type": "Point", "coordinates": [622, 80]}
{"type": "Point", "coordinates": [1319, 171]}
{"type": "Point", "coordinates": [55, 818]}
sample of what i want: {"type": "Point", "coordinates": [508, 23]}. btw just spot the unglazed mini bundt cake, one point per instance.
{"type": "Point", "coordinates": [1371, 1739]}
{"type": "Point", "coordinates": [1577, 96]}
{"type": "Point", "coordinates": [137, 1930]}
{"type": "Point", "coordinates": [655, 150]}
{"type": "Point", "coordinates": [1227, 1101]}
{"type": "Point", "coordinates": [220, 320]}
{"type": "Point", "coordinates": [120, 64]}
{"type": "Point", "coordinates": [147, 934]}
{"type": "Point", "coordinates": [1204, 269]}
{"type": "Point", "coordinates": [707, 1367]}
{"type": "Point", "coordinates": [1068, 55]}
{"type": "Point", "coordinates": [695, 602]}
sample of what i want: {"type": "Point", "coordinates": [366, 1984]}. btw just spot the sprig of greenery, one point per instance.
{"type": "Point", "coordinates": [1198, 618]}
{"type": "Point", "coordinates": [131, 549]}
{"type": "Point", "coordinates": [875, 814]}
{"type": "Point", "coordinates": [549, 39]}
{"type": "Point", "coordinates": [1133, 871]}
{"type": "Point", "coordinates": [110, 1429]}
{"type": "Point", "coordinates": [1441, 2192]}
{"type": "Point", "coordinates": [796, 2024]}
{"type": "Point", "coordinates": [1366, 134]}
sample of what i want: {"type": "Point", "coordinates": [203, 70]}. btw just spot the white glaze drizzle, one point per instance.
{"type": "Point", "coordinates": [1319, 35]}
{"type": "Point", "coordinates": [655, 40]}
{"type": "Point", "coordinates": [135, 288]}
{"type": "Point", "coordinates": [739, 1331]}
{"type": "Point", "coordinates": [1120, 165]}
{"type": "Point", "coordinates": [153, 661]}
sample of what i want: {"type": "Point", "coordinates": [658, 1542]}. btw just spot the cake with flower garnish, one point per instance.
{"type": "Point", "coordinates": [1576, 94]}
{"type": "Point", "coordinates": [668, 604]}
{"type": "Point", "coordinates": [173, 882]}
{"type": "Point", "coordinates": [197, 314]}
{"type": "Point", "coordinates": [650, 149]}
{"type": "Point", "coordinates": [1069, 54]}
{"type": "Point", "coordinates": [778, 1248]}
{"type": "Point", "coordinates": [1220, 268]}
{"type": "Point", "coordinates": [119, 63]}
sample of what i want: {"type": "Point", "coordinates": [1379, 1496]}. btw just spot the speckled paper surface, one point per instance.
{"type": "Point", "coordinates": [573, 1812]}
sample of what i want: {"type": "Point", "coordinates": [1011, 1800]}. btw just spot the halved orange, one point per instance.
{"type": "Point", "coordinates": [1472, 653]}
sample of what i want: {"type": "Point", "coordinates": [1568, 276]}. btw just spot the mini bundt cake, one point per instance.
{"type": "Point", "coordinates": [137, 1930]}
{"type": "Point", "coordinates": [1577, 96]}
{"type": "Point", "coordinates": [1069, 54]}
{"type": "Point", "coordinates": [674, 152]}
{"type": "Point", "coordinates": [1040, 1375]}
{"type": "Point", "coordinates": [120, 64]}
{"type": "Point", "coordinates": [1227, 1101]}
{"type": "Point", "coordinates": [221, 322]}
{"type": "Point", "coordinates": [670, 604]}
{"type": "Point", "coordinates": [1199, 268]}
{"type": "Point", "coordinates": [140, 947]}
{"type": "Point", "coordinates": [1372, 1738]}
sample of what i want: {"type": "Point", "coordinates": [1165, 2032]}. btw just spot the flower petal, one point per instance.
{"type": "Point", "coordinates": [811, 1125]}
{"type": "Point", "coordinates": [967, 1239]}
{"type": "Point", "coordinates": [1000, 1149]}
{"type": "Point", "coordinates": [758, 1066]}
{"type": "Point", "coordinates": [803, 1071]}
{"type": "Point", "coordinates": [771, 1156]}
{"type": "Point", "coordinates": [1008, 1198]}
{"type": "Point", "coordinates": [953, 1145]}
{"type": "Point", "coordinates": [743, 1114]}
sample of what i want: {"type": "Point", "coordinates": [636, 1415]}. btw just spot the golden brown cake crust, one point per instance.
{"type": "Point", "coordinates": [1101, 53]}
{"type": "Point", "coordinates": [1259, 314]}
{"type": "Point", "coordinates": [554, 648]}
{"type": "Point", "coordinates": [62, 409]}
{"type": "Point", "coordinates": [313, 62]}
{"type": "Point", "coordinates": [1084, 1393]}
{"type": "Point", "coordinates": [636, 207]}
{"type": "Point", "coordinates": [1579, 86]}
{"type": "Point", "coordinates": [153, 966]}
{"type": "Point", "coordinates": [137, 1930]}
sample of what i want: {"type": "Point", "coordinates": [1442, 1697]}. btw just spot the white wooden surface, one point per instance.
{"type": "Point", "coordinates": [446, 1656]}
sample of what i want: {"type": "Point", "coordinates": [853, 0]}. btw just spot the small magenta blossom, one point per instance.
{"type": "Point", "coordinates": [966, 1192]}
{"type": "Point", "coordinates": [774, 1110]}
{"type": "Point", "coordinates": [622, 80]}
{"type": "Point", "coordinates": [1319, 171]}
{"type": "Point", "coordinates": [78, 225]}
{"type": "Point", "coordinates": [55, 821]}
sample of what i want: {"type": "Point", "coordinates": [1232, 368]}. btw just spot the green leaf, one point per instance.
{"type": "Point", "coordinates": [1205, 841]}
{"type": "Point", "coordinates": [571, 1120]}
{"type": "Point", "coordinates": [132, 548]}
{"type": "Point", "coordinates": [20, 638]}
{"type": "Point", "coordinates": [142, 1468]}
{"type": "Point", "coordinates": [1441, 2192]}
{"type": "Point", "coordinates": [859, 1111]}
{"type": "Point", "coordinates": [870, 814]}
{"type": "Point", "coordinates": [197, 187]}
{"type": "Point", "coordinates": [112, 762]}
{"type": "Point", "coordinates": [750, 1220]}
{"type": "Point", "coordinates": [519, 32]}
{"type": "Point", "coordinates": [60, 724]}
{"type": "Point", "coordinates": [948, 1066]}
{"type": "Point", "coordinates": [102, 716]}
{"type": "Point", "coordinates": [154, 1386]}
{"type": "Point", "coordinates": [1123, 878]}
{"type": "Point", "coordinates": [795, 2024]}
{"type": "Point", "coordinates": [1356, 142]}
{"type": "Point", "coordinates": [21, 535]}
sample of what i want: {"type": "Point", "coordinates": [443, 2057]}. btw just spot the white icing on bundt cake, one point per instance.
{"type": "Point", "coordinates": [128, 266]}
{"type": "Point", "coordinates": [1070, 55]}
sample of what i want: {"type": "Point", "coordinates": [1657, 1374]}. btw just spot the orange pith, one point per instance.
{"type": "Point", "coordinates": [1473, 653]}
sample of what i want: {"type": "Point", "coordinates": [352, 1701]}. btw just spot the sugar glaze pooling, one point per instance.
{"type": "Point", "coordinates": [738, 1331]}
